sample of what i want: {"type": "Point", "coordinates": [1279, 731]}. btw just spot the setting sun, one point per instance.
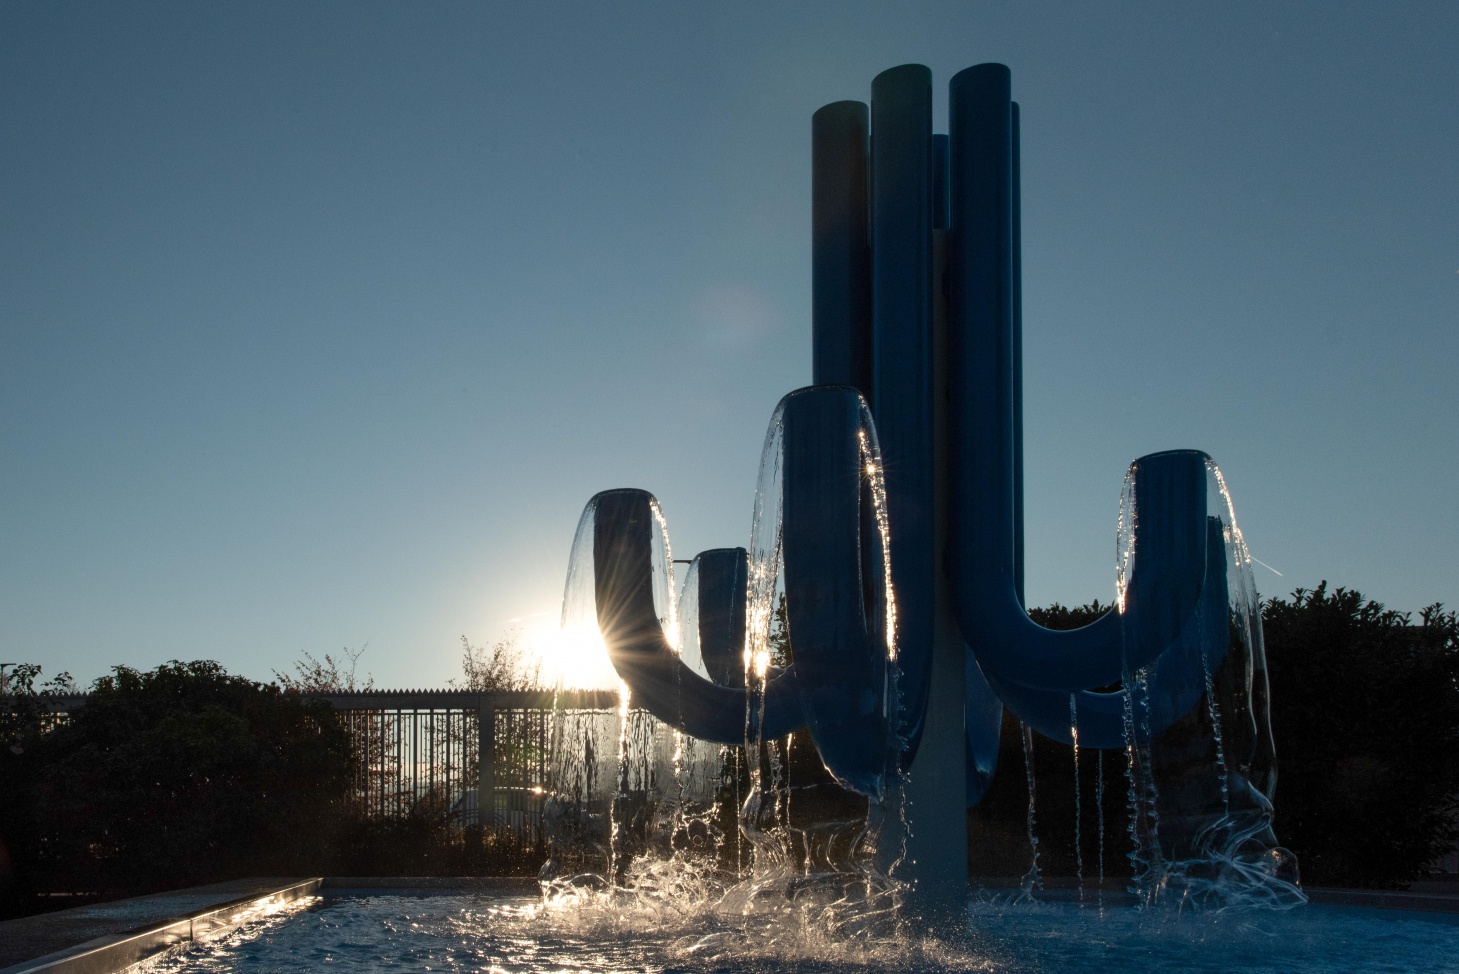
{"type": "Point", "coordinates": [575, 655]}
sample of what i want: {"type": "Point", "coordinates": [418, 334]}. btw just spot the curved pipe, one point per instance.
{"type": "Point", "coordinates": [983, 343]}
{"type": "Point", "coordinates": [723, 576]}
{"type": "Point", "coordinates": [657, 679]}
{"type": "Point", "coordinates": [1162, 591]}
{"type": "Point", "coordinates": [1177, 680]}
{"type": "Point", "coordinates": [840, 657]}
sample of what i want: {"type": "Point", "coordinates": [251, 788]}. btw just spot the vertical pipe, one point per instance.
{"type": "Point", "coordinates": [984, 558]}
{"type": "Point", "coordinates": [937, 787]}
{"type": "Point", "coordinates": [939, 182]}
{"type": "Point", "coordinates": [901, 295]}
{"type": "Point", "coordinates": [1016, 352]}
{"type": "Point", "coordinates": [840, 262]}
{"type": "Point", "coordinates": [980, 352]}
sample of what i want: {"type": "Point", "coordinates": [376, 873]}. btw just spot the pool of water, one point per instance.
{"type": "Point", "coordinates": [604, 933]}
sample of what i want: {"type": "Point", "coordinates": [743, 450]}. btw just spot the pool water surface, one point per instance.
{"type": "Point", "coordinates": [606, 933]}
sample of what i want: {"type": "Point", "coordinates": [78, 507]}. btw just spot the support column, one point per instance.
{"type": "Point", "coordinates": [937, 847]}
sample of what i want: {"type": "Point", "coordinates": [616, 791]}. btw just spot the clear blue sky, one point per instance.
{"type": "Point", "coordinates": [319, 322]}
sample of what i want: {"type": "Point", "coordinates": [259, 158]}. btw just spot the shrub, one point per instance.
{"type": "Point", "coordinates": [179, 776]}
{"type": "Point", "coordinates": [1365, 714]}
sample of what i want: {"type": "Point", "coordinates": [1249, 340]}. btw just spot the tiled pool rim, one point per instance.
{"type": "Point", "coordinates": [113, 952]}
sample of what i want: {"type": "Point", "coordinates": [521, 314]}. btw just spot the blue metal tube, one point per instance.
{"type": "Point", "coordinates": [658, 680]}
{"type": "Point", "coordinates": [980, 420]}
{"type": "Point", "coordinates": [1176, 683]}
{"type": "Point", "coordinates": [839, 649]}
{"type": "Point", "coordinates": [984, 457]}
{"type": "Point", "coordinates": [939, 182]}
{"type": "Point", "coordinates": [840, 256]}
{"type": "Point", "coordinates": [723, 576]}
{"type": "Point", "coordinates": [901, 273]}
{"type": "Point", "coordinates": [1015, 351]}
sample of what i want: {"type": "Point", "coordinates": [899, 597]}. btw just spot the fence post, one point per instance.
{"type": "Point", "coordinates": [486, 763]}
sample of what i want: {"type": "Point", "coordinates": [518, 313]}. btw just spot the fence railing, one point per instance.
{"type": "Point", "coordinates": [472, 758]}
{"type": "Point", "coordinates": [462, 759]}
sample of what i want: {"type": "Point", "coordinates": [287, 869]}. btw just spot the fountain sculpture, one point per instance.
{"type": "Point", "coordinates": [890, 520]}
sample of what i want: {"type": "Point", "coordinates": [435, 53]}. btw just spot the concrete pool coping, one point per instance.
{"type": "Point", "coordinates": [109, 937]}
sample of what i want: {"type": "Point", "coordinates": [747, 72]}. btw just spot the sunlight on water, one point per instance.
{"type": "Point", "coordinates": [871, 464]}
{"type": "Point", "coordinates": [505, 933]}
{"type": "Point", "coordinates": [765, 542]}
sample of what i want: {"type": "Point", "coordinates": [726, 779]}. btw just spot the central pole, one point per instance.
{"type": "Point", "coordinates": [936, 791]}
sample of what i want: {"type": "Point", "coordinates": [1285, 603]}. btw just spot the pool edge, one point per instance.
{"type": "Point", "coordinates": [1377, 899]}
{"type": "Point", "coordinates": [110, 953]}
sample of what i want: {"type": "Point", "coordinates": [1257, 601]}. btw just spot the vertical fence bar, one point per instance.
{"type": "Point", "coordinates": [412, 750]}
{"type": "Point", "coordinates": [486, 761]}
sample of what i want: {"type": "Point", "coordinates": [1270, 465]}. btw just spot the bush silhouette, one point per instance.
{"type": "Point", "coordinates": [1365, 713]}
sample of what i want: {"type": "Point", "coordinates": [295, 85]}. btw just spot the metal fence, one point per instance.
{"type": "Point", "coordinates": [420, 755]}
{"type": "Point", "coordinates": [471, 759]}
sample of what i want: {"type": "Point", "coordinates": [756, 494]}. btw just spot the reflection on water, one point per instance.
{"type": "Point", "coordinates": [617, 931]}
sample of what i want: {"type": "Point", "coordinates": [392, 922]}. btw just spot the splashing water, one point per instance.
{"type": "Point", "coordinates": [810, 837]}
{"type": "Point", "coordinates": [1099, 809]}
{"type": "Point", "coordinates": [1078, 805]}
{"type": "Point", "coordinates": [639, 809]}
{"type": "Point", "coordinates": [1234, 858]}
{"type": "Point", "coordinates": [1149, 882]}
{"type": "Point", "coordinates": [642, 818]}
{"type": "Point", "coordinates": [1033, 879]}
{"type": "Point", "coordinates": [608, 935]}
{"type": "Point", "coordinates": [1200, 784]}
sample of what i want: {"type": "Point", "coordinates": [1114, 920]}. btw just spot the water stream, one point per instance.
{"type": "Point", "coordinates": [637, 809]}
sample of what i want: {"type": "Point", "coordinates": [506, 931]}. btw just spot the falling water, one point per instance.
{"type": "Point", "coordinates": [1213, 714]}
{"type": "Point", "coordinates": [1233, 858]}
{"type": "Point", "coordinates": [619, 807]}
{"type": "Point", "coordinates": [1147, 859]}
{"type": "Point", "coordinates": [1033, 879]}
{"type": "Point", "coordinates": [758, 811]}
{"type": "Point", "coordinates": [1199, 759]}
{"type": "Point", "coordinates": [1147, 879]}
{"type": "Point", "coordinates": [827, 849]}
{"type": "Point", "coordinates": [642, 818]}
{"type": "Point", "coordinates": [1078, 838]}
{"type": "Point", "coordinates": [1144, 850]}
{"type": "Point", "coordinates": [1099, 809]}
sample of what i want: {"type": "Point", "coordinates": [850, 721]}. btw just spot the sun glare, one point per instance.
{"type": "Point", "coordinates": [575, 655]}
